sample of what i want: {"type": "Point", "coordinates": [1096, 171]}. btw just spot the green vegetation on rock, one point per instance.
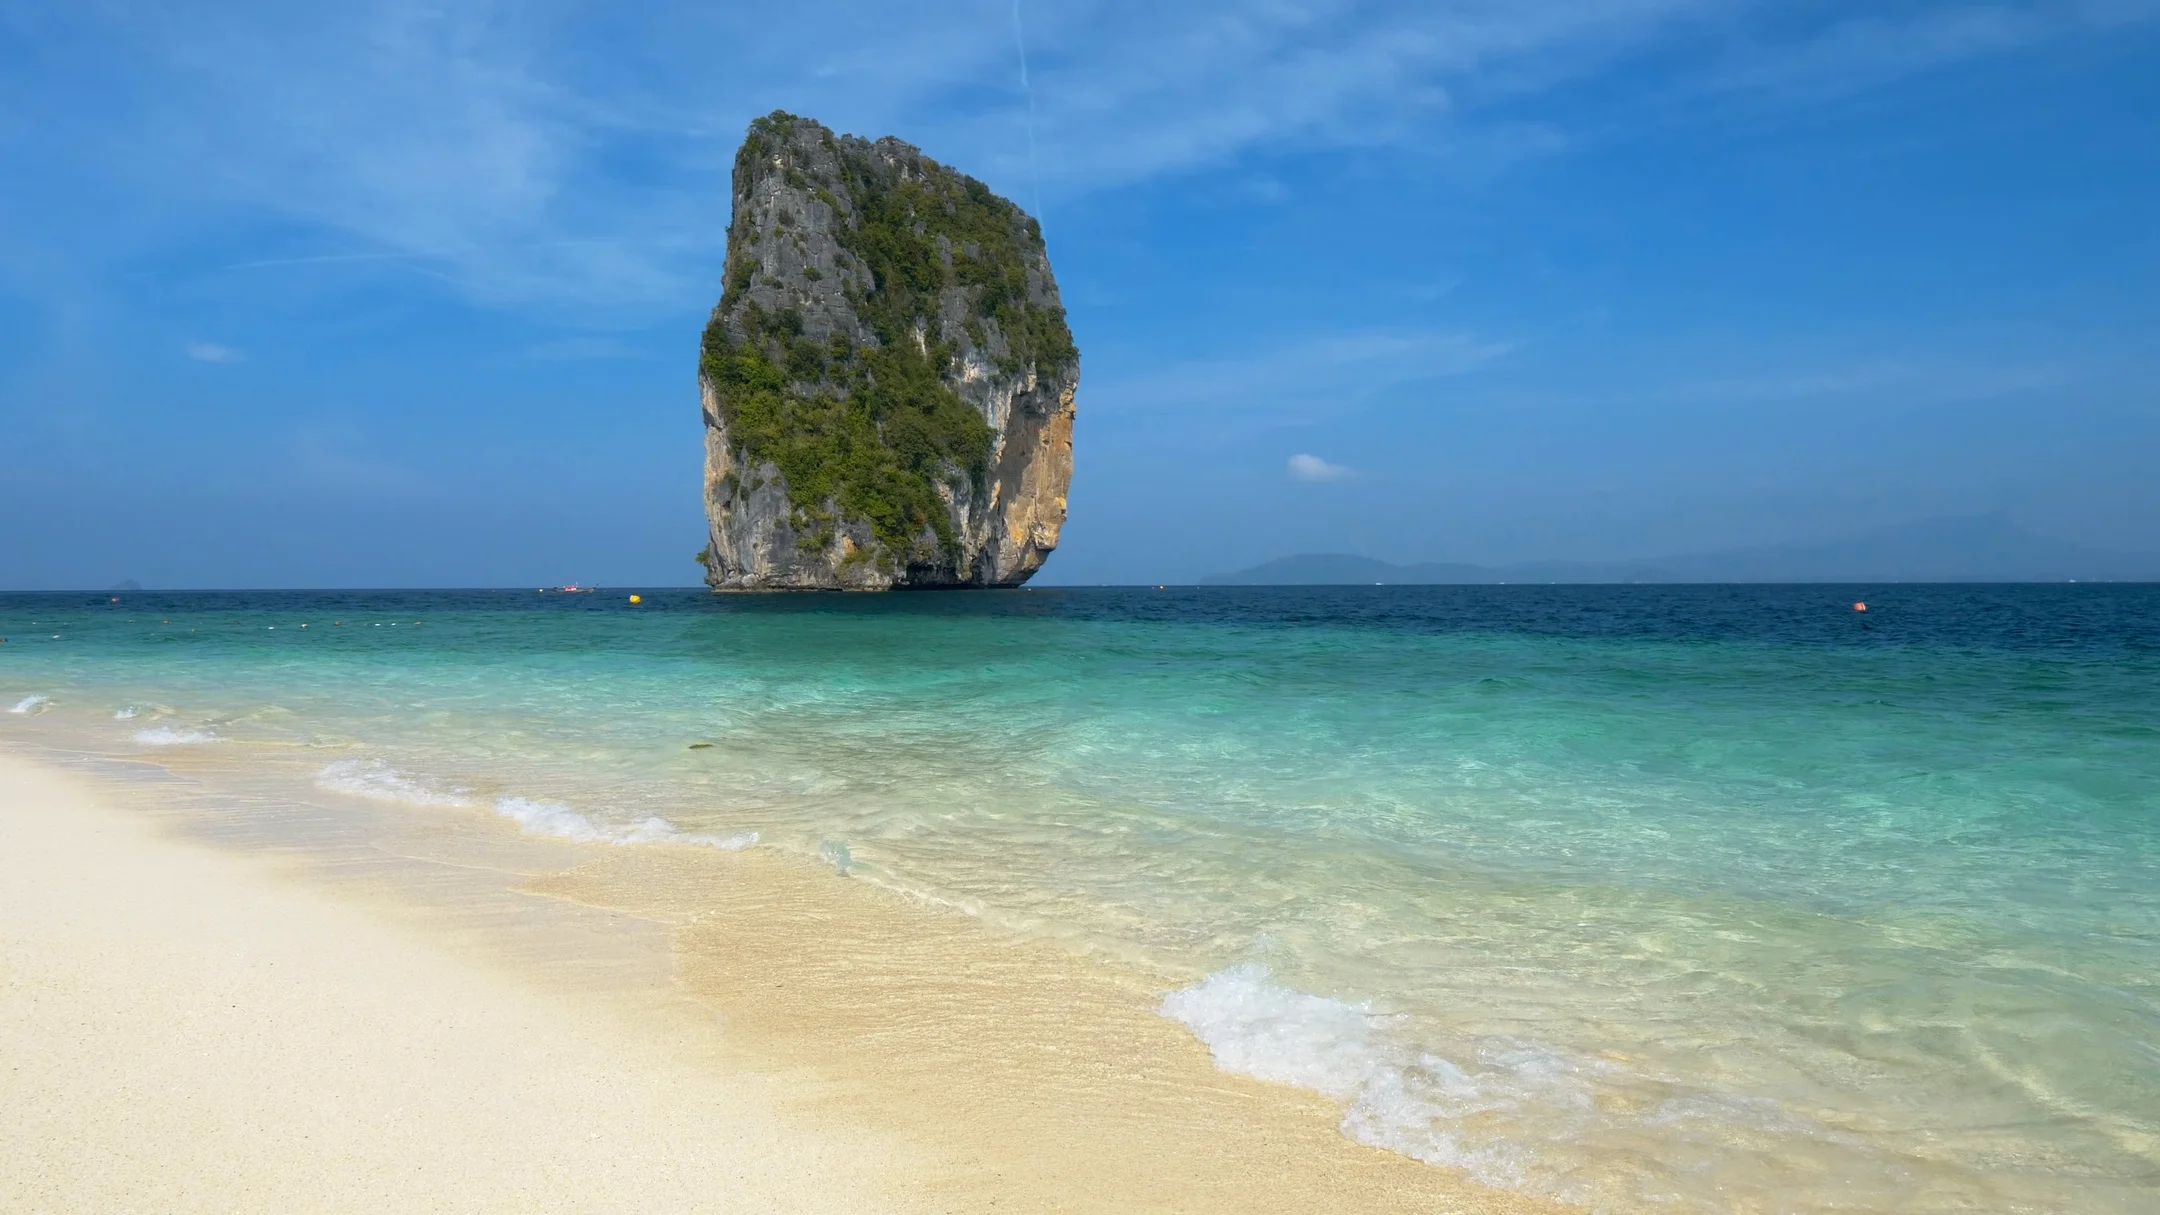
{"type": "Point", "coordinates": [873, 427]}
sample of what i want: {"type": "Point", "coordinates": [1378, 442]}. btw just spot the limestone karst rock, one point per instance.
{"type": "Point", "coordinates": [888, 378]}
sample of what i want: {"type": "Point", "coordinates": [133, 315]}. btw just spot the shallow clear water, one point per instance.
{"type": "Point", "coordinates": [1702, 898]}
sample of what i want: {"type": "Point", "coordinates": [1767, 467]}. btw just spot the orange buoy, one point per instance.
{"type": "Point", "coordinates": [1859, 607]}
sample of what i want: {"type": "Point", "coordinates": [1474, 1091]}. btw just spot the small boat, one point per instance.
{"type": "Point", "coordinates": [573, 589]}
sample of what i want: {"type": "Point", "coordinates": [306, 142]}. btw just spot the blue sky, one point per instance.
{"type": "Point", "coordinates": [409, 294]}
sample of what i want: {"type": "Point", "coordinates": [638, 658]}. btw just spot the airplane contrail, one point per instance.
{"type": "Point", "coordinates": [1034, 174]}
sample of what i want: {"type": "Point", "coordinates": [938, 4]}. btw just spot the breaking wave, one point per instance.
{"type": "Point", "coordinates": [374, 779]}
{"type": "Point", "coordinates": [1505, 1112]}
{"type": "Point", "coordinates": [561, 822]}
{"type": "Point", "coordinates": [33, 703]}
{"type": "Point", "coordinates": [166, 736]}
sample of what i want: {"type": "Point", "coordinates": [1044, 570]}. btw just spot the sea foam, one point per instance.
{"type": "Point", "coordinates": [1397, 1095]}
{"type": "Point", "coordinates": [561, 822]}
{"type": "Point", "coordinates": [34, 703]}
{"type": "Point", "coordinates": [166, 736]}
{"type": "Point", "coordinates": [374, 779]}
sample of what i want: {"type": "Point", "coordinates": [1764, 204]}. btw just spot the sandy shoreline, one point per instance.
{"type": "Point", "coordinates": [195, 1027]}
{"type": "Point", "coordinates": [186, 1029]}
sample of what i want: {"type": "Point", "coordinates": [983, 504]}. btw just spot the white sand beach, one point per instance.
{"type": "Point", "coordinates": [191, 1026]}
{"type": "Point", "coordinates": [189, 1030]}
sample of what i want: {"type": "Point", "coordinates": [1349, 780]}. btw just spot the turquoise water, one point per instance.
{"type": "Point", "coordinates": [1702, 898]}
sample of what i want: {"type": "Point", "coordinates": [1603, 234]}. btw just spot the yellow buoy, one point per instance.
{"type": "Point", "coordinates": [637, 599]}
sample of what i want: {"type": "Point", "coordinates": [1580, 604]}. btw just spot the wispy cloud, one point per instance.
{"type": "Point", "coordinates": [1301, 381]}
{"type": "Point", "coordinates": [326, 259]}
{"type": "Point", "coordinates": [1911, 380]}
{"type": "Point", "coordinates": [1866, 49]}
{"type": "Point", "coordinates": [575, 155]}
{"type": "Point", "coordinates": [1916, 378]}
{"type": "Point", "coordinates": [1330, 74]}
{"type": "Point", "coordinates": [1306, 467]}
{"type": "Point", "coordinates": [211, 352]}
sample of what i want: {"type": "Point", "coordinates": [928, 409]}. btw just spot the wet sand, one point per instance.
{"type": "Point", "coordinates": [232, 1003]}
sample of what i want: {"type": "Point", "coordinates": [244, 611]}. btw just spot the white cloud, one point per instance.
{"type": "Point", "coordinates": [211, 352]}
{"type": "Point", "coordinates": [1304, 467]}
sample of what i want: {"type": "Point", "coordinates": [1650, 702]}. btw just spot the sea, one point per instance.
{"type": "Point", "coordinates": [1686, 898]}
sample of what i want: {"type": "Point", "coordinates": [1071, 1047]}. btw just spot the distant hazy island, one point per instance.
{"type": "Point", "coordinates": [1984, 549]}
{"type": "Point", "coordinates": [888, 378]}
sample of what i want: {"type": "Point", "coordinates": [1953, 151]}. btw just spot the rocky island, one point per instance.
{"type": "Point", "coordinates": [888, 378]}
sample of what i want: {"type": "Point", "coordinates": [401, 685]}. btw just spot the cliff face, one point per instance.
{"type": "Point", "coordinates": [888, 378]}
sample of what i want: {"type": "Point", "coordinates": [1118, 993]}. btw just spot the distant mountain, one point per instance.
{"type": "Point", "coordinates": [129, 585]}
{"type": "Point", "coordinates": [1988, 548]}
